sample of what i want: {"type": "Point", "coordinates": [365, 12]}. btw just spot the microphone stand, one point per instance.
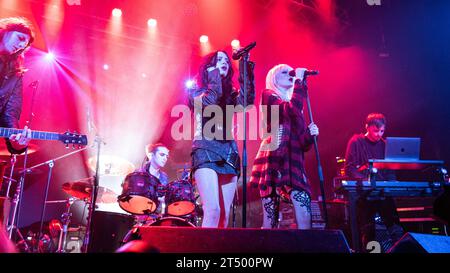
{"type": "Point", "coordinates": [319, 165]}
{"type": "Point", "coordinates": [243, 64]}
{"type": "Point", "coordinates": [87, 242]}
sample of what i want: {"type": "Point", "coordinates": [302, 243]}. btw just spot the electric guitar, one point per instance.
{"type": "Point", "coordinates": [66, 138]}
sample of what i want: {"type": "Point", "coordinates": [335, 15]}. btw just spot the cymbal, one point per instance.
{"type": "Point", "coordinates": [111, 165]}
{"type": "Point", "coordinates": [82, 189]}
{"type": "Point", "coordinates": [77, 189]}
{"type": "Point", "coordinates": [32, 148]}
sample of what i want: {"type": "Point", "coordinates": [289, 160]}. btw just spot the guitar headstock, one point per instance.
{"type": "Point", "coordinates": [73, 138]}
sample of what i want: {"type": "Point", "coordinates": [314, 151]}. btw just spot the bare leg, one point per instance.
{"type": "Point", "coordinates": [271, 207]}
{"type": "Point", "coordinates": [208, 188]}
{"type": "Point", "coordinates": [228, 186]}
{"type": "Point", "coordinates": [302, 208]}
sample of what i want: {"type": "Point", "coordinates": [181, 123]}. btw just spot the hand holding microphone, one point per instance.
{"type": "Point", "coordinates": [213, 74]}
{"type": "Point", "coordinates": [301, 73]}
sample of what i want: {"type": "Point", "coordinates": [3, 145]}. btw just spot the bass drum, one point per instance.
{"type": "Point", "coordinates": [180, 198]}
{"type": "Point", "coordinates": [140, 193]}
{"type": "Point", "coordinates": [171, 222]}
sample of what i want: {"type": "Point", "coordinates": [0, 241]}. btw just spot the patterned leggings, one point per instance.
{"type": "Point", "coordinates": [271, 205]}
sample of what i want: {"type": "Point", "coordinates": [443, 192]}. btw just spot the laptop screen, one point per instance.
{"type": "Point", "coordinates": [402, 148]}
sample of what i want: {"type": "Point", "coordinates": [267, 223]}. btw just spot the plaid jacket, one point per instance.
{"type": "Point", "coordinates": [281, 170]}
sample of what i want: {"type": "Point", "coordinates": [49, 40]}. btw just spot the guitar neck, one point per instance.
{"type": "Point", "coordinates": [7, 132]}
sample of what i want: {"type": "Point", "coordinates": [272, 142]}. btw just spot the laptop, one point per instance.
{"type": "Point", "coordinates": [402, 148]}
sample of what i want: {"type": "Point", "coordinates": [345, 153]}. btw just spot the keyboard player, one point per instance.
{"type": "Point", "coordinates": [379, 210]}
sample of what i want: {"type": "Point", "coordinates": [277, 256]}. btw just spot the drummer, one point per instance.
{"type": "Point", "coordinates": [156, 158]}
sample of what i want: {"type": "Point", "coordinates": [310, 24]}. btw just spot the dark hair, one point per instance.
{"type": "Point", "coordinates": [210, 60]}
{"type": "Point", "coordinates": [152, 148]}
{"type": "Point", "coordinates": [376, 119]}
{"type": "Point", "coordinates": [19, 24]}
{"type": "Point", "coordinates": [22, 25]}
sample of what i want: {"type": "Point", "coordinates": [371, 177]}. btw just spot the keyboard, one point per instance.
{"type": "Point", "coordinates": [390, 188]}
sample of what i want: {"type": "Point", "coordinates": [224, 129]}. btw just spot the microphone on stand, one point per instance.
{"type": "Point", "coordinates": [307, 72]}
{"type": "Point", "coordinates": [238, 53]}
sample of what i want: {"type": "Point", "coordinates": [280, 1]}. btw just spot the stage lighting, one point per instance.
{"type": "Point", "coordinates": [73, 2]}
{"type": "Point", "coordinates": [105, 66]}
{"type": "Point", "coordinates": [235, 44]}
{"type": "Point", "coordinates": [204, 39]}
{"type": "Point", "coordinates": [49, 56]}
{"type": "Point", "coordinates": [116, 12]}
{"type": "Point", "coordinates": [190, 84]}
{"type": "Point", "coordinates": [152, 22]}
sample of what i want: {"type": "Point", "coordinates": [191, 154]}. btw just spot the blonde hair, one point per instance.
{"type": "Point", "coordinates": [271, 82]}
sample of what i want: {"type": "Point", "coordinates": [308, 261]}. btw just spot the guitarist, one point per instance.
{"type": "Point", "coordinates": [16, 37]}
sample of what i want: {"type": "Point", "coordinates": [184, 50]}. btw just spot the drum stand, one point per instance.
{"type": "Point", "coordinates": [11, 225]}
{"type": "Point", "coordinates": [65, 220]}
{"type": "Point", "coordinates": [51, 164]}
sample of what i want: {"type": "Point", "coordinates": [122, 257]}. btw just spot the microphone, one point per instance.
{"type": "Point", "coordinates": [238, 53]}
{"type": "Point", "coordinates": [306, 73]}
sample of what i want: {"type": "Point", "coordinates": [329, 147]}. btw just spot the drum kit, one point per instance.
{"type": "Point", "coordinates": [136, 197]}
{"type": "Point", "coordinates": [145, 201]}
{"type": "Point", "coordinates": [9, 188]}
{"type": "Point", "coordinates": [12, 190]}
{"type": "Point", "coordinates": [141, 192]}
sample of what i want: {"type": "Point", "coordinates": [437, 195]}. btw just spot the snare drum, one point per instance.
{"type": "Point", "coordinates": [139, 193]}
{"type": "Point", "coordinates": [180, 198]}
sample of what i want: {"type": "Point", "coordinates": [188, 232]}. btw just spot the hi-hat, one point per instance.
{"type": "Point", "coordinates": [32, 148]}
{"type": "Point", "coordinates": [82, 189]}
{"type": "Point", "coordinates": [111, 165]}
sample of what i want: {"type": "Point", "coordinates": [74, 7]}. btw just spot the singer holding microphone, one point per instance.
{"type": "Point", "coordinates": [279, 172]}
{"type": "Point", "coordinates": [16, 36]}
{"type": "Point", "coordinates": [215, 157]}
